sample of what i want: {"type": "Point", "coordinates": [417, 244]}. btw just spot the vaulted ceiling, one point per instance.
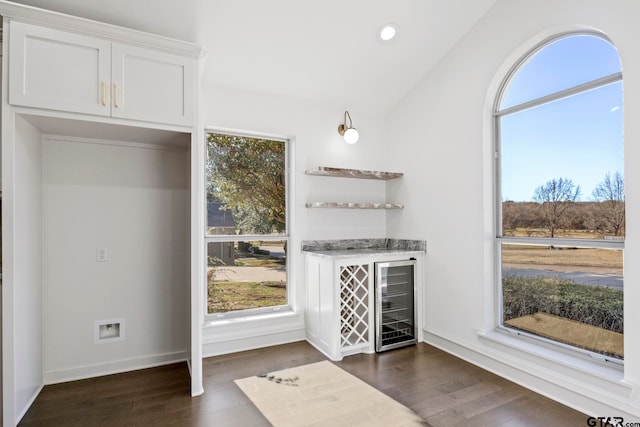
{"type": "Point", "coordinates": [323, 52]}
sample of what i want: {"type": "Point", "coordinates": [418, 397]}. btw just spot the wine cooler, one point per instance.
{"type": "Point", "coordinates": [395, 304]}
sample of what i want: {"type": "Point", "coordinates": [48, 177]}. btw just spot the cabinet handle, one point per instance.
{"type": "Point", "coordinates": [103, 87]}
{"type": "Point", "coordinates": [115, 96]}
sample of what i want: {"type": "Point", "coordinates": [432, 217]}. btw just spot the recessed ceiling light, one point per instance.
{"type": "Point", "coordinates": [388, 32]}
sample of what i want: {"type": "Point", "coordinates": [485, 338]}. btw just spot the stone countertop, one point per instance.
{"type": "Point", "coordinates": [352, 248]}
{"type": "Point", "coordinates": [357, 253]}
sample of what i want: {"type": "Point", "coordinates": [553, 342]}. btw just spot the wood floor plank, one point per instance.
{"type": "Point", "coordinates": [441, 388]}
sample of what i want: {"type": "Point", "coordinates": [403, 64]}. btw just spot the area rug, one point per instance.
{"type": "Point", "coordinates": [322, 394]}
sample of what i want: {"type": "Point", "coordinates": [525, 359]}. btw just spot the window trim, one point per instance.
{"type": "Point", "coordinates": [497, 115]}
{"type": "Point", "coordinates": [212, 318]}
{"type": "Point", "coordinates": [532, 52]}
{"type": "Point", "coordinates": [565, 93]}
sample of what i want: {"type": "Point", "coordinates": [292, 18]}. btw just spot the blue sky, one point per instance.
{"type": "Point", "coordinates": [580, 137]}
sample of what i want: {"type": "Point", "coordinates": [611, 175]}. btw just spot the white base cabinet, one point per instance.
{"type": "Point", "coordinates": [340, 301]}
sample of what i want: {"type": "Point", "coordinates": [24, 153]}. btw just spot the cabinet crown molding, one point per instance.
{"type": "Point", "coordinates": [61, 21]}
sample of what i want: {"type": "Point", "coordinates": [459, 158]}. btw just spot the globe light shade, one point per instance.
{"type": "Point", "coordinates": [348, 132]}
{"type": "Point", "coordinates": [351, 136]}
{"type": "Point", "coordinates": [388, 32]}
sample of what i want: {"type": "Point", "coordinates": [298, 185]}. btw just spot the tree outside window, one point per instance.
{"type": "Point", "coordinates": [246, 230]}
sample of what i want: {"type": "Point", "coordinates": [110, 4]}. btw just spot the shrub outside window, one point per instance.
{"type": "Point", "coordinates": [246, 231]}
{"type": "Point", "coordinates": [560, 196]}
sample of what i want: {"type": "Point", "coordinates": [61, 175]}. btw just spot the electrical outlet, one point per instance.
{"type": "Point", "coordinates": [101, 254]}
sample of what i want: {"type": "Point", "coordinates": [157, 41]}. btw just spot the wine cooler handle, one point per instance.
{"type": "Point", "coordinates": [383, 283]}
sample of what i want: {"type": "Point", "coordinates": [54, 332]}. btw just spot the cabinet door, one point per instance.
{"type": "Point", "coordinates": [58, 70]}
{"type": "Point", "coordinates": [152, 86]}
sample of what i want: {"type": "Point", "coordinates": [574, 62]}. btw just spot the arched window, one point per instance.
{"type": "Point", "coordinates": [560, 196]}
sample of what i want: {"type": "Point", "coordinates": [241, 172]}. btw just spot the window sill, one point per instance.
{"type": "Point", "coordinates": [611, 374]}
{"type": "Point", "coordinates": [257, 317]}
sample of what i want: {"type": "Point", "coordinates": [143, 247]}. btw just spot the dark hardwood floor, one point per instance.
{"type": "Point", "coordinates": [443, 389]}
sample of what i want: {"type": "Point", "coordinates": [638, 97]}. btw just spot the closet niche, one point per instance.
{"type": "Point", "coordinates": [115, 242]}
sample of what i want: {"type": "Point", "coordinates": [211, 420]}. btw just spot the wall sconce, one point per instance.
{"type": "Point", "coordinates": [349, 133]}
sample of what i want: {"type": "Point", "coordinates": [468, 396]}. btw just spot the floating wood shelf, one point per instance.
{"type": "Point", "coordinates": [353, 205]}
{"type": "Point", "coordinates": [353, 173]}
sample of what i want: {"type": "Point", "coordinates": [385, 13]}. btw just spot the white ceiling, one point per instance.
{"type": "Point", "coordinates": [324, 51]}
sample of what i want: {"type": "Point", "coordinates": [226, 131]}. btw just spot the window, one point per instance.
{"type": "Point", "coordinates": [246, 229]}
{"type": "Point", "coordinates": [560, 196]}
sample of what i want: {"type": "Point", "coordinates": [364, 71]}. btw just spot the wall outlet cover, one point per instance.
{"type": "Point", "coordinates": [101, 255]}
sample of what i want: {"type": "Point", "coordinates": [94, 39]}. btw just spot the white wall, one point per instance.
{"type": "Point", "coordinates": [27, 261]}
{"type": "Point", "coordinates": [22, 329]}
{"type": "Point", "coordinates": [133, 200]}
{"type": "Point", "coordinates": [1, 382]}
{"type": "Point", "coordinates": [317, 143]}
{"type": "Point", "coordinates": [445, 124]}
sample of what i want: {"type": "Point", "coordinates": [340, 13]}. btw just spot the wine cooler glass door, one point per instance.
{"type": "Point", "coordinates": [395, 304]}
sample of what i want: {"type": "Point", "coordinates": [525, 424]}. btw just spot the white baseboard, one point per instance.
{"type": "Point", "coordinates": [24, 410]}
{"type": "Point", "coordinates": [115, 367]}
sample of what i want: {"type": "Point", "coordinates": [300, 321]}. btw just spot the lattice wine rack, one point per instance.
{"type": "Point", "coordinates": [354, 306]}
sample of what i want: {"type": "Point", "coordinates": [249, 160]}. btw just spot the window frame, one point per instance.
{"type": "Point", "coordinates": [500, 239]}
{"type": "Point", "coordinates": [277, 309]}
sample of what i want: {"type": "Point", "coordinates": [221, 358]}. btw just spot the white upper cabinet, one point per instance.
{"type": "Point", "coordinates": [58, 70]}
{"type": "Point", "coordinates": [65, 71]}
{"type": "Point", "coordinates": [150, 85]}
